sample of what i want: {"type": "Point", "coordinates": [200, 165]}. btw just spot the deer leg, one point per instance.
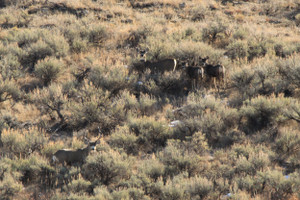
{"type": "Point", "coordinates": [215, 82]}
{"type": "Point", "coordinates": [193, 84]}
{"type": "Point", "coordinates": [198, 84]}
{"type": "Point", "coordinates": [224, 81]}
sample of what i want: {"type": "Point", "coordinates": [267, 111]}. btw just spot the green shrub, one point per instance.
{"type": "Point", "coordinates": [172, 189]}
{"type": "Point", "coordinates": [278, 186]}
{"type": "Point", "coordinates": [107, 168]}
{"type": "Point", "coordinates": [242, 80]}
{"type": "Point", "coordinates": [256, 49]}
{"type": "Point", "coordinates": [12, 17]}
{"type": "Point", "coordinates": [10, 67]}
{"type": "Point", "coordinates": [123, 139]}
{"type": "Point", "coordinates": [253, 185]}
{"type": "Point", "coordinates": [199, 143]}
{"type": "Point", "coordinates": [70, 196]}
{"type": "Point", "coordinates": [97, 35]}
{"type": "Point", "coordinates": [79, 186]}
{"type": "Point", "coordinates": [109, 78]}
{"type": "Point", "coordinates": [9, 90]}
{"type": "Point", "coordinates": [26, 37]}
{"type": "Point", "coordinates": [284, 50]}
{"type": "Point", "coordinates": [9, 187]}
{"type": "Point", "coordinates": [129, 194]}
{"type": "Point", "coordinates": [266, 78]}
{"type": "Point", "coordinates": [262, 112]}
{"type": "Point", "coordinates": [152, 168]}
{"type": "Point", "coordinates": [147, 105]}
{"type": "Point", "coordinates": [121, 194]}
{"type": "Point", "coordinates": [198, 13]}
{"type": "Point", "coordinates": [136, 194]}
{"type": "Point", "coordinates": [160, 47]}
{"type": "Point", "coordinates": [217, 127]}
{"type": "Point", "coordinates": [8, 122]}
{"type": "Point", "coordinates": [14, 141]}
{"type": "Point", "coordinates": [172, 85]}
{"type": "Point", "coordinates": [237, 50]}
{"type": "Point", "coordinates": [102, 193]}
{"type": "Point", "coordinates": [199, 187]}
{"type": "Point", "coordinates": [257, 161]}
{"type": "Point", "coordinates": [6, 3]}
{"type": "Point", "coordinates": [289, 70]}
{"type": "Point", "coordinates": [242, 195]}
{"type": "Point", "coordinates": [241, 33]}
{"type": "Point", "coordinates": [35, 52]}
{"type": "Point", "coordinates": [178, 159]}
{"type": "Point", "coordinates": [287, 143]}
{"type": "Point", "coordinates": [94, 106]}
{"type": "Point", "coordinates": [48, 70]}
{"type": "Point", "coordinates": [130, 102]}
{"type": "Point", "coordinates": [79, 45]}
{"type": "Point", "coordinates": [209, 116]}
{"type": "Point", "coordinates": [5, 167]}
{"type": "Point", "coordinates": [75, 34]}
{"type": "Point", "coordinates": [151, 134]}
{"type": "Point", "coordinates": [51, 101]}
{"type": "Point", "coordinates": [216, 32]}
{"type": "Point", "coordinates": [139, 181]}
{"type": "Point", "coordinates": [49, 44]}
{"type": "Point", "coordinates": [260, 160]}
{"type": "Point", "coordinates": [87, 114]}
{"type": "Point", "coordinates": [31, 168]}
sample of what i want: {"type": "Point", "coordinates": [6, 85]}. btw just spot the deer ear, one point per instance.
{"type": "Point", "coordinates": [86, 140]}
{"type": "Point", "coordinates": [99, 139]}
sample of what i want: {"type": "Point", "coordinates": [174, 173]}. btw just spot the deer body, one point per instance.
{"type": "Point", "coordinates": [195, 74]}
{"type": "Point", "coordinates": [217, 72]}
{"type": "Point", "coordinates": [73, 156]}
{"type": "Point", "coordinates": [160, 66]}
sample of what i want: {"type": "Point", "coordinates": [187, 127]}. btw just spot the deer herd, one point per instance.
{"type": "Point", "coordinates": [197, 73]}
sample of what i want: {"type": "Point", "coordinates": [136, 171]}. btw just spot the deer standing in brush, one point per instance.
{"type": "Point", "coordinates": [217, 72]}
{"type": "Point", "coordinates": [71, 157]}
{"type": "Point", "coordinates": [159, 66]}
{"type": "Point", "coordinates": [194, 73]}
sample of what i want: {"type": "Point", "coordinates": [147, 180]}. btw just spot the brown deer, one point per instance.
{"type": "Point", "coordinates": [71, 157]}
{"type": "Point", "coordinates": [195, 74]}
{"type": "Point", "coordinates": [217, 72]}
{"type": "Point", "coordinates": [156, 67]}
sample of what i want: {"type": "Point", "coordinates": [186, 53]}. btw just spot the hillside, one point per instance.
{"type": "Point", "coordinates": [73, 71]}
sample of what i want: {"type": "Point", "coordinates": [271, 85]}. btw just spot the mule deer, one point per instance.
{"type": "Point", "coordinates": [159, 66]}
{"type": "Point", "coordinates": [142, 54]}
{"type": "Point", "coordinates": [71, 157]}
{"type": "Point", "coordinates": [217, 72]}
{"type": "Point", "coordinates": [195, 74]}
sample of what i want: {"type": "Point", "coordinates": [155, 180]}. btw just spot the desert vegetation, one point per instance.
{"type": "Point", "coordinates": [70, 69]}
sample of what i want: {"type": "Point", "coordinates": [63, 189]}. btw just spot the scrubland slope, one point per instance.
{"type": "Point", "coordinates": [64, 75]}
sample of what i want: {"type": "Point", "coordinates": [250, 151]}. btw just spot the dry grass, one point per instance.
{"type": "Point", "coordinates": [76, 4]}
{"type": "Point", "coordinates": [26, 113]}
